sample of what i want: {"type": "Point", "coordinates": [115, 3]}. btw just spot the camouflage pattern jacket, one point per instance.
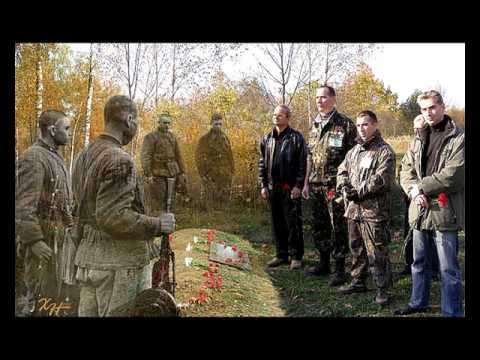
{"type": "Point", "coordinates": [328, 147]}
{"type": "Point", "coordinates": [370, 169]}
{"type": "Point", "coordinates": [293, 156]}
{"type": "Point", "coordinates": [110, 207]}
{"type": "Point", "coordinates": [160, 155]}
{"type": "Point", "coordinates": [214, 157]}
{"type": "Point", "coordinates": [43, 198]}
{"type": "Point", "coordinates": [442, 214]}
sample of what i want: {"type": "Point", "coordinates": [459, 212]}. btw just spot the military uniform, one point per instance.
{"type": "Point", "coordinates": [214, 159]}
{"type": "Point", "coordinates": [329, 140]}
{"type": "Point", "coordinates": [114, 256]}
{"type": "Point", "coordinates": [161, 159]}
{"type": "Point", "coordinates": [43, 202]}
{"type": "Point", "coordinates": [369, 168]}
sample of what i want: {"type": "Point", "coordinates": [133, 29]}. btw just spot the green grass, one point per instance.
{"type": "Point", "coordinates": [297, 295]}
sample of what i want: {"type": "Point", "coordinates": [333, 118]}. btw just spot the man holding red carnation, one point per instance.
{"type": "Point", "coordinates": [433, 174]}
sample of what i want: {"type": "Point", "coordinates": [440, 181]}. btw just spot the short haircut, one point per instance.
{"type": "Point", "coordinates": [331, 90]}
{"type": "Point", "coordinates": [49, 118]}
{"type": "Point", "coordinates": [216, 116]}
{"type": "Point", "coordinates": [286, 109]}
{"type": "Point", "coordinates": [164, 115]}
{"type": "Point", "coordinates": [114, 107]}
{"type": "Point", "coordinates": [431, 94]}
{"type": "Point", "coordinates": [368, 113]}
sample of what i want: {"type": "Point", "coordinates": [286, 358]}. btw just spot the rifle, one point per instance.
{"type": "Point", "coordinates": [161, 268]}
{"type": "Point", "coordinates": [46, 269]}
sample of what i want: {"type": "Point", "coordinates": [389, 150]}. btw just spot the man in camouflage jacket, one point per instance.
{"type": "Point", "coordinates": [332, 134]}
{"type": "Point", "coordinates": [366, 178]}
{"type": "Point", "coordinates": [43, 202]}
{"type": "Point", "coordinates": [161, 159]}
{"type": "Point", "coordinates": [114, 257]}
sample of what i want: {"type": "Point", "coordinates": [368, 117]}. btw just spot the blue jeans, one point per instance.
{"type": "Point", "coordinates": [446, 243]}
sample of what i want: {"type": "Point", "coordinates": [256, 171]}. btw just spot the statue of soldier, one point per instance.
{"type": "Point", "coordinates": [214, 159]}
{"type": "Point", "coordinates": [161, 159]}
{"type": "Point", "coordinates": [331, 136]}
{"type": "Point", "coordinates": [114, 255]}
{"type": "Point", "coordinates": [43, 217]}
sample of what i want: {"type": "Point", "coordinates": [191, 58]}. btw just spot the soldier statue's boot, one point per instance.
{"type": "Point", "coordinates": [382, 297]}
{"type": "Point", "coordinates": [339, 277]}
{"type": "Point", "coordinates": [323, 268]}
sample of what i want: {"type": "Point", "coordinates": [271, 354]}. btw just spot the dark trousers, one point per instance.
{"type": "Point", "coordinates": [287, 224]}
{"type": "Point", "coordinates": [328, 240]}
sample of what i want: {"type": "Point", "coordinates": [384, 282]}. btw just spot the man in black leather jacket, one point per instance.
{"type": "Point", "coordinates": [282, 169]}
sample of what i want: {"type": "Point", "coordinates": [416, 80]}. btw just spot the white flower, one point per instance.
{"type": "Point", "coordinates": [188, 261]}
{"type": "Point", "coordinates": [189, 247]}
{"type": "Point", "coordinates": [195, 239]}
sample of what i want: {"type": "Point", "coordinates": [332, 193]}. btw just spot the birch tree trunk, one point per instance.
{"type": "Point", "coordinates": [39, 88]}
{"type": "Point", "coordinates": [88, 114]}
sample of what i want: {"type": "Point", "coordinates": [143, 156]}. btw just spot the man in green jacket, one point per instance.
{"type": "Point", "coordinates": [433, 175]}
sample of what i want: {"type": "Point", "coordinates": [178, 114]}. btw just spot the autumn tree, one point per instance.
{"type": "Point", "coordinates": [361, 90]}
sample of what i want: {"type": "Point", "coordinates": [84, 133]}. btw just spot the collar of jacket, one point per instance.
{"type": "Point", "coordinates": [375, 139]}
{"type": "Point", "coordinates": [43, 143]}
{"type": "Point", "coordinates": [450, 129]}
{"type": "Point", "coordinates": [286, 132]}
{"type": "Point", "coordinates": [110, 138]}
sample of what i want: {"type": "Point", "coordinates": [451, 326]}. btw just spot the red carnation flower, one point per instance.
{"type": "Point", "coordinates": [331, 194]}
{"type": "Point", "coordinates": [442, 199]}
{"type": "Point", "coordinates": [234, 247]}
{"type": "Point", "coordinates": [286, 187]}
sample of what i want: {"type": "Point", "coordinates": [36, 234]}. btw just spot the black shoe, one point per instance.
{"type": "Point", "coordinates": [338, 278]}
{"type": "Point", "coordinates": [318, 270]}
{"type": "Point", "coordinates": [409, 310]}
{"type": "Point", "coordinates": [352, 288]}
{"type": "Point", "coordinates": [276, 262]}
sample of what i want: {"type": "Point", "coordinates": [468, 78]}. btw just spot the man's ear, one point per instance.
{"type": "Point", "coordinates": [129, 121]}
{"type": "Point", "coordinates": [52, 130]}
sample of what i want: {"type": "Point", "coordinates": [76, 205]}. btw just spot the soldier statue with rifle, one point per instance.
{"type": "Point", "coordinates": [43, 218]}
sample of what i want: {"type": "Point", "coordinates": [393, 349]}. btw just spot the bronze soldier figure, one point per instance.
{"type": "Point", "coordinates": [214, 159]}
{"type": "Point", "coordinates": [114, 255]}
{"type": "Point", "coordinates": [161, 159]}
{"type": "Point", "coordinates": [43, 203]}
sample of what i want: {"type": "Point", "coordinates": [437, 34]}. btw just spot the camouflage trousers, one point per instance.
{"type": "Point", "coordinates": [155, 197]}
{"type": "Point", "coordinates": [369, 247]}
{"type": "Point", "coordinates": [102, 291]}
{"type": "Point", "coordinates": [324, 213]}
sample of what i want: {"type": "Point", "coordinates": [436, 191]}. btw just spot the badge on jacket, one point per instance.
{"type": "Point", "coordinates": [366, 162]}
{"type": "Point", "coordinates": [336, 139]}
